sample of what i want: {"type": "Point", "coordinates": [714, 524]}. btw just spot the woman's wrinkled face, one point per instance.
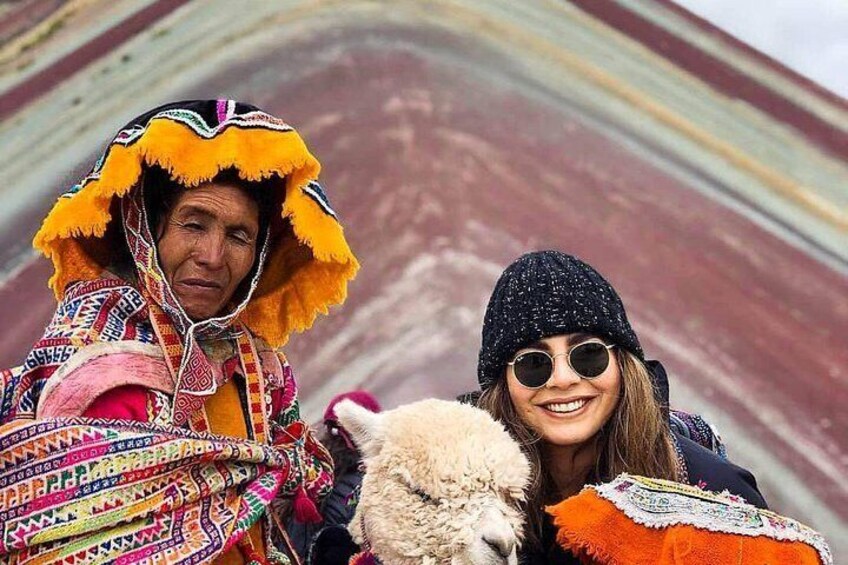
{"type": "Point", "coordinates": [207, 246]}
{"type": "Point", "coordinates": [568, 410]}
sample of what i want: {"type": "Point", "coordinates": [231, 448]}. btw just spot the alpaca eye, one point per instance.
{"type": "Point", "coordinates": [422, 495]}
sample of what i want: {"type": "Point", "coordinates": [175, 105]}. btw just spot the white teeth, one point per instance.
{"type": "Point", "coordinates": [566, 407]}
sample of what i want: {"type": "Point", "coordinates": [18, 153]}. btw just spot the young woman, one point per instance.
{"type": "Point", "coordinates": [561, 367]}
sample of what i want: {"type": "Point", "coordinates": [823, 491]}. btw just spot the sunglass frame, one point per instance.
{"type": "Point", "coordinates": [567, 355]}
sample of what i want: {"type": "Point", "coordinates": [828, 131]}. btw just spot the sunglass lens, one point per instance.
{"type": "Point", "coordinates": [589, 359]}
{"type": "Point", "coordinates": [533, 369]}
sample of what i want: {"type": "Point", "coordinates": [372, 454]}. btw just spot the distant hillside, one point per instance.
{"type": "Point", "coordinates": [455, 136]}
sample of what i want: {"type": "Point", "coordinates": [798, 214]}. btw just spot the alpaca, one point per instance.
{"type": "Point", "coordinates": [443, 484]}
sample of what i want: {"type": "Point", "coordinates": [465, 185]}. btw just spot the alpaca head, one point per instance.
{"type": "Point", "coordinates": [443, 484]}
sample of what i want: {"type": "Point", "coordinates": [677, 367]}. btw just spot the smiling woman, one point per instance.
{"type": "Point", "coordinates": [561, 367]}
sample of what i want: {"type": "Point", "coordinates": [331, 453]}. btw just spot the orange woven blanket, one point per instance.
{"type": "Point", "coordinates": [639, 521]}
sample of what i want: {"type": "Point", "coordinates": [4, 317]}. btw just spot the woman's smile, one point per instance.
{"type": "Point", "coordinates": [567, 408]}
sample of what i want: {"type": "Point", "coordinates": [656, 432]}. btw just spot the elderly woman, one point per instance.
{"type": "Point", "coordinates": [197, 244]}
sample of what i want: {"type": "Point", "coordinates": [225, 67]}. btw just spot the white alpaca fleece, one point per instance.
{"type": "Point", "coordinates": [441, 478]}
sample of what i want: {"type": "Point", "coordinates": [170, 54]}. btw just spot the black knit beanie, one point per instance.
{"type": "Point", "coordinates": [547, 293]}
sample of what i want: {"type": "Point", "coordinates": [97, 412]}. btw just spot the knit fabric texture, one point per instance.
{"type": "Point", "coordinates": [361, 397]}
{"type": "Point", "coordinates": [543, 294]}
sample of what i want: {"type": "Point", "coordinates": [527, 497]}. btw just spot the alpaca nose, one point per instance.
{"type": "Point", "coordinates": [498, 536]}
{"type": "Point", "coordinates": [502, 545]}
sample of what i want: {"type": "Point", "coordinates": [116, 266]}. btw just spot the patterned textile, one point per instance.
{"type": "Point", "coordinates": [658, 521]}
{"type": "Point", "coordinates": [697, 429]}
{"type": "Point", "coordinates": [113, 310]}
{"type": "Point", "coordinates": [84, 490]}
{"type": "Point", "coordinates": [105, 310]}
{"type": "Point", "coordinates": [142, 489]}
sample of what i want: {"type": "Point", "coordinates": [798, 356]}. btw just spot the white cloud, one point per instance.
{"type": "Point", "coordinates": [809, 36]}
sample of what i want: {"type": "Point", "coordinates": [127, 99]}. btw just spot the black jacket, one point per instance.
{"type": "Point", "coordinates": [711, 472]}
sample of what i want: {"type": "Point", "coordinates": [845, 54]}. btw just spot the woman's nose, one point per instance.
{"type": "Point", "coordinates": [563, 376]}
{"type": "Point", "coordinates": [210, 251]}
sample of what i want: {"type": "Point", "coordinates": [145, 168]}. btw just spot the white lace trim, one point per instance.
{"type": "Point", "coordinates": [658, 503]}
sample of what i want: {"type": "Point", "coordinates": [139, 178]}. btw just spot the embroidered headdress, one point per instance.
{"type": "Point", "coordinates": [193, 141]}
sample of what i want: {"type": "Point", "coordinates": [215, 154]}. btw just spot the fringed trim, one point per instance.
{"type": "Point", "coordinates": [593, 528]}
{"type": "Point", "coordinates": [295, 305]}
{"type": "Point", "coordinates": [191, 160]}
{"type": "Point", "coordinates": [572, 539]}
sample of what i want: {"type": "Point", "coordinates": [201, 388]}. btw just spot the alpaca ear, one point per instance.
{"type": "Point", "coordinates": [365, 427]}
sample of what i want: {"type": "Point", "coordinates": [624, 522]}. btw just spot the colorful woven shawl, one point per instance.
{"type": "Point", "coordinates": [84, 491]}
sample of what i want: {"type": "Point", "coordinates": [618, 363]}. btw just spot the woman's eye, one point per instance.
{"type": "Point", "coordinates": [240, 238]}
{"type": "Point", "coordinates": [194, 226]}
{"type": "Point", "coordinates": [525, 353]}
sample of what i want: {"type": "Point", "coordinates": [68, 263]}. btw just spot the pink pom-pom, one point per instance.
{"type": "Point", "coordinates": [363, 558]}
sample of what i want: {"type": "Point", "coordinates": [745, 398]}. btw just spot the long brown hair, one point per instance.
{"type": "Point", "coordinates": [636, 439]}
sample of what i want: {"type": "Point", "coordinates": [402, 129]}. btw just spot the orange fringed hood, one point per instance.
{"type": "Point", "coordinates": [639, 521]}
{"type": "Point", "coordinates": [194, 141]}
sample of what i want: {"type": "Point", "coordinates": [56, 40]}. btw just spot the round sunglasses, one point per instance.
{"type": "Point", "coordinates": [533, 368]}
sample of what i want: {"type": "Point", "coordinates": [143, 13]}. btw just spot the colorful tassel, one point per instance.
{"type": "Point", "coordinates": [305, 510]}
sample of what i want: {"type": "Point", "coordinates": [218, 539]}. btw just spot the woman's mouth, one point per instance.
{"type": "Point", "coordinates": [200, 284]}
{"type": "Point", "coordinates": [566, 407]}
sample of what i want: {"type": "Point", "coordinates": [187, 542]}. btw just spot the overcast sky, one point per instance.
{"type": "Point", "coordinates": [809, 36]}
